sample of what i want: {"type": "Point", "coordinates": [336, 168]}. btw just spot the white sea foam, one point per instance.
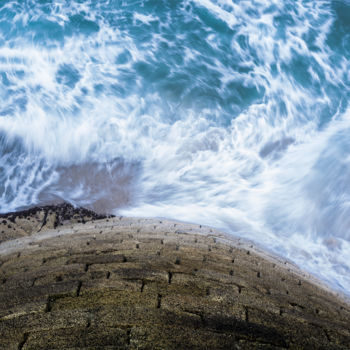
{"type": "Point", "coordinates": [144, 18]}
{"type": "Point", "coordinates": [237, 122]}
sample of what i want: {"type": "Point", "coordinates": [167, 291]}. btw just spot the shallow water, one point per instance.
{"type": "Point", "coordinates": [224, 112]}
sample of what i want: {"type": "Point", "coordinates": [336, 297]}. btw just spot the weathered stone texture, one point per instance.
{"type": "Point", "coordinates": [123, 283]}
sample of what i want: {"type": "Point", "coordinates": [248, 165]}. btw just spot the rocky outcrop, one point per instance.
{"type": "Point", "coordinates": [27, 222]}
{"type": "Point", "coordinates": [121, 283]}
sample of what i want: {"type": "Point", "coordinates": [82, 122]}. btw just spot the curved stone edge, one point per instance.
{"type": "Point", "coordinates": [221, 271]}
{"type": "Point", "coordinates": [79, 220]}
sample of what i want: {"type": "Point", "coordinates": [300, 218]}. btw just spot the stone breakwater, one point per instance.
{"type": "Point", "coordinates": [70, 279]}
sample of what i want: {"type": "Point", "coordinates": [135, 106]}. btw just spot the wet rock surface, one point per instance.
{"type": "Point", "coordinates": [120, 283]}
{"type": "Point", "coordinates": [30, 221]}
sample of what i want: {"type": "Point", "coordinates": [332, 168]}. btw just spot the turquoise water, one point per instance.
{"type": "Point", "coordinates": [224, 112]}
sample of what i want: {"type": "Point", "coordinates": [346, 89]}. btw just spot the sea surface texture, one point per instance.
{"type": "Point", "coordinates": [230, 113]}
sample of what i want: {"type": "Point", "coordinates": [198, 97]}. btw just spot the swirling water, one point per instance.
{"type": "Point", "coordinates": [231, 113]}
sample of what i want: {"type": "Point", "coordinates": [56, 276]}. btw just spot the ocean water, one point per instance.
{"type": "Point", "coordinates": [231, 113]}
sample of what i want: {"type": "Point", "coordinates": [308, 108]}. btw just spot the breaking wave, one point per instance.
{"type": "Point", "coordinates": [224, 112]}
